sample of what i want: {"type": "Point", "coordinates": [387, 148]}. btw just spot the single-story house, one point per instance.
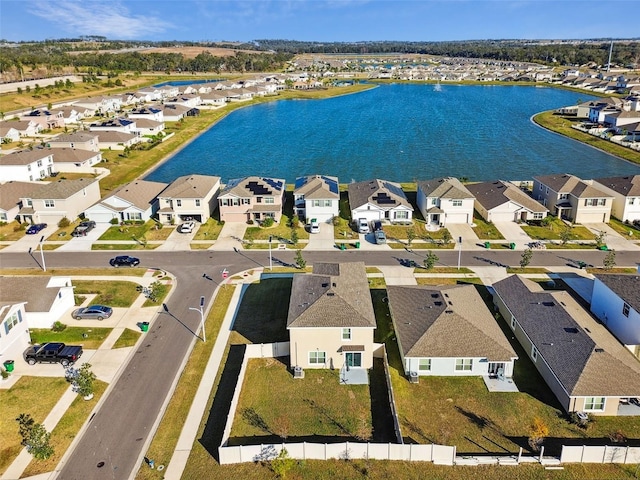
{"type": "Point", "coordinates": [584, 365]}
{"type": "Point", "coordinates": [502, 201]}
{"type": "Point", "coordinates": [616, 302]}
{"type": "Point", "coordinates": [137, 200]}
{"type": "Point", "coordinates": [99, 105]}
{"type": "Point", "coordinates": [146, 127]}
{"type": "Point", "coordinates": [213, 98]}
{"type": "Point", "coordinates": [75, 160]}
{"type": "Point", "coordinates": [26, 165]}
{"type": "Point", "coordinates": [123, 125]}
{"type": "Point", "coordinates": [573, 199]}
{"type": "Point", "coordinates": [82, 140]}
{"type": "Point", "coordinates": [331, 319]}
{"type": "Point", "coordinates": [26, 128]}
{"type": "Point", "coordinates": [110, 140]}
{"type": "Point", "coordinates": [190, 100]}
{"type": "Point", "coordinates": [444, 201]}
{"type": "Point", "coordinates": [448, 331]}
{"type": "Point", "coordinates": [151, 112]}
{"type": "Point", "coordinates": [8, 133]}
{"type": "Point", "coordinates": [189, 196]}
{"type": "Point", "coordinates": [252, 199]}
{"type": "Point", "coordinates": [174, 112]}
{"type": "Point", "coordinates": [379, 200]}
{"type": "Point", "coordinates": [625, 191]}
{"type": "Point", "coordinates": [10, 195]}
{"type": "Point", "coordinates": [317, 196]}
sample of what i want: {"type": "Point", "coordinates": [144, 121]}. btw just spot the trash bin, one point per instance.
{"type": "Point", "coordinates": [357, 244]}
{"type": "Point", "coordinates": [603, 247]}
{"type": "Point", "coordinates": [512, 246]}
{"type": "Point", "coordinates": [8, 365]}
{"type": "Point", "coordinates": [582, 265]}
{"type": "Point", "coordinates": [343, 246]}
{"type": "Point", "coordinates": [487, 245]}
{"type": "Point", "coordinates": [144, 326]}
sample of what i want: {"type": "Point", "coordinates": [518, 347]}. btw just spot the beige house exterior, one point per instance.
{"type": "Point", "coordinates": [79, 140]}
{"type": "Point", "coordinates": [252, 199]}
{"type": "Point", "coordinates": [502, 201]}
{"type": "Point", "coordinates": [331, 319]}
{"type": "Point", "coordinates": [189, 197]}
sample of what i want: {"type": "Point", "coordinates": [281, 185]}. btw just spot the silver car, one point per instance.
{"type": "Point", "coordinates": [97, 312]}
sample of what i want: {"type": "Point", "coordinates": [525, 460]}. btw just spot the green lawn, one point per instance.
{"type": "Point", "coordinates": [624, 229]}
{"type": "Point", "coordinates": [112, 293]}
{"type": "Point", "coordinates": [124, 246]}
{"type": "Point", "coordinates": [93, 272]}
{"type": "Point", "coordinates": [89, 337]}
{"type": "Point", "coordinates": [485, 230]}
{"type": "Point", "coordinates": [210, 230]}
{"type": "Point", "coordinates": [128, 338]}
{"type": "Point", "coordinates": [281, 231]}
{"type": "Point", "coordinates": [554, 230]}
{"type": "Point", "coordinates": [148, 231]}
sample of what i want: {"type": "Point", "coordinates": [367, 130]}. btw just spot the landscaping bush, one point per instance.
{"type": "Point", "coordinates": [267, 222]}
{"type": "Point", "coordinates": [20, 226]}
{"type": "Point", "coordinates": [64, 222]}
{"type": "Point", "coordinates": [114, 221]}
{"type": "Point", "coordinates": [58, 326]}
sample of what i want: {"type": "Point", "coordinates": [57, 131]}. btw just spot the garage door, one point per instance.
{"type": "Point", "coordinates": [502, 216]}
{"type": "Point", "coordinates": [457, 218]}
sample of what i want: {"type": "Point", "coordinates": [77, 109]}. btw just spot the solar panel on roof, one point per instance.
{"type": "Point", "coordinates": [300, 181]}
{"type": "Point", "coordinates": [257, 188]}
{"type": "Point", "coordinates": [394, 189]}
{"type": "Point", "coordinates": [332, 184]}
{"type": "Point", "coordinates": [384, 199]}
{"type": "Point", "coordinates": [276, 184]}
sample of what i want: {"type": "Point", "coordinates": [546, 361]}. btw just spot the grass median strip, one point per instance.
{"type": "Point", "coordinates": [128, 338]}
{"type": "Point", "coordinates": [89, 337]}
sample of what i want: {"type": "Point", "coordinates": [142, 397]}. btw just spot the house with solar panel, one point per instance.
{"type": "Point", "coordinates": [584, 365]}
{"type": "Point", "coordinates": [444, 201]}
{"type": "Point", "coordinates": [379, 200]}
{"type": "Point", "coordinates": [252, 199]}
{"type": "Point", "coordinates": [449, 331]}
{"type": "Point", "coordinates": [317, 196]}
{"type": "Point", "coordinates": [190, 197]}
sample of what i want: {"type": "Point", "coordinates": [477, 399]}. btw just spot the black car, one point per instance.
{"type": "Point", "coordinates": [377, 225]}
{"type": "Point", "coordinates": [33, 229]}
{"type": "Point", "coordinates": [84, 228]}
{"type": "Point", "coordinates": [124, 261]}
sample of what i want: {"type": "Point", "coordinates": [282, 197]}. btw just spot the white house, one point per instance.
{"type": "Point", "coordinates": [8, 133]}
{"type": "Point", "coordinates": [14, 331]}
{"type": "Point", "coordinates": [317, 196]}
{"type": "Point", "coordinates": [502, 201]}
{"type": "Point", "coordinates": [444, 201]}
{"type": "Point", "coordinates": [75, 160]}
{"type": "Point", "coordinates": [26, 128]}
{"type": "Point", "coordinates": [626, 195]}
{"type": "Point", "coordinates": [379, 200]}
{"type": "Point", "coordinates": [616, 302]}
{"type": "Point", "coordinates": [137, 200]}
{"type": "Point", "coordinates": [152, 112]}
{"type": "Point", "coordinates": [110, 140]}
{"type": "Point", "coordinates": [189, 196]}
{"type": "Point", "coordinates": [26, 165]}
{"type": "Point", "coordinates": [123, 125]}
{"type": "Point", "coordinates": [80, 140]}
{"type": "Point", "coordinates": [11, 194]}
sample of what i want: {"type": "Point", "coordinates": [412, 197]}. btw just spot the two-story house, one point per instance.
{"type": "Point", "coordinates": [317, 196]}
{"type": "Point", "coordinates": [252, 199]}
{"type": "Point", "coordinates": [444, 201]}
{"type": "Point", "coordinates": [47, 119]}
{"type": "Point", "coordinates": [572, 199]}
{"type": "Point", "coordinates": [189, 197]}
{"type": "Point", "coordinates": [625, 191]}
{"type": "Point", "coordinates": [26, 165]}
{"type": "Point", "coordinates": [80, 140]}
{"type": "Point", "coordinates": [11, 194]}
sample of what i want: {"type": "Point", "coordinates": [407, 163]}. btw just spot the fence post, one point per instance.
{"type": "Point", "coordinates": [541, 452]}
{"type": "Point", "coordinates": [582, 455]}
{"type": "Point", "coordinates": [453, 460]}
{"type": "Point", "coordinates": [241, 459]}
{"type": "Point", "coordinates": [519, 455]}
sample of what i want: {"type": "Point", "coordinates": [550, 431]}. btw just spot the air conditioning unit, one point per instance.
{"type": "Point", "coordinates": [414, 377]}
{"type": "Point", "coordinates": [298, 372]}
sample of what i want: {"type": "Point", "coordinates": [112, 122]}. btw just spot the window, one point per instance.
{"type": "Point", "coordinates": [258, 199]}
{"type": "Point", "coordinates": [540, 187]}
{"type": "Point", "coordinates": [197, 202]}
{"type": "Point", "coordinates": [456, 203]}
{"type": "Point", "coordinates": [316, 203]}
{"type": "Point", "coordinates": [28, 168]}
{"type": "Point", "coordinates": [424, 365]}
{"type": "Point", "coordinates": [602, 202]}
{"type": "Point", "coordinates": [12, 321]}
{"type": "Point", "coordinates": [537, 216]}
{"type": "Point", "coordinates": [513, 323]}
{"type": "Point", "coordinates": [317, 358]}
{"type": "Point", "coordinates": [626, 309]}
{"type": "Point", "coordinates": [178, 203]}
{"type": "Point", "coordinates": [402, 215]}
{"type": "Point", "coordinates": [563, 196]}
{"type": "Point", "coordinates": [630, 200]}
{"type": "Point", "coordinates": [269, 200]}
{"type": "Point", "coordinates": [39, 163]}
{"type": "Point", "coordinates": [534, 354]}
{"type": "Point", "coordinates": [49, 203]}
{"type": "Point", "coordinates": [3, 217]}
{"type": "Point", "coordinates": [346, 334]}
{"type": "Point", "coordinates": [327, 203]}
{"type": "Point", "coordinates": [434, 201]}
{"type": "Point", "coordinates": [246, 201]}
{"type": "Point", "coordinates": [134, 215]}
{"type": "Point", "coordinates": [594, 403]}
{"type": "Point", "coordinates": [464, 364]}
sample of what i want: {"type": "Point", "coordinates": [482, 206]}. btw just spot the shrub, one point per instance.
{"type": "Point", "coordinates": [84, 380]}
{"type": "Point", "coordinates": [58, 326]}
{"type": "Point", "coordinates": [20, 226]}
{"type": "Point", "coordinates": [267, 222]}
{"type": "Point", "coordinates": [64, 222]}
{"type": "Point", "coordinates": [538, 430]}
{"type": "Point", "coordinates": [114, 221]}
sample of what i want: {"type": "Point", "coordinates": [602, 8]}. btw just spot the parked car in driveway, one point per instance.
{"type": "Point", "coordinates": [187, 227]}
{"type": "Point", "coordinates": [97, 312]}
{"type": "Point", "coordinates": [84, 228]}
{"type": "Point", "coordinates": [380, 237]}
{"type": "Point", "coordinates": [35, 228]}
{"type": "Point", "coordinates": [124, 261]}
{"type": "Point", "coordinates": [314, 226]}
{"type": "Point", "coordinates": [363, 225]}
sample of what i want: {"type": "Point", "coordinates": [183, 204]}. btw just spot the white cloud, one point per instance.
{"type": "Point", "coordinates": [110, 19]}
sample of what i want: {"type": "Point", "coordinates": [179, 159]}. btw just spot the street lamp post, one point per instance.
{"type": "Point", "coordinates": [270, 257]}
{"type": "Point", "coordinates": [201, 312]}
{"type": "Point", "coordinates": [44, 266]}
{"type": "Point", "coordinates": [459, 251]}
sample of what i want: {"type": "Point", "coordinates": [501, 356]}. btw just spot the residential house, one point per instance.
{"type": "Point", "coordinates": [80, 140]}
{"type": "Point", "coordinates": [190, 196]}
{"type": "Point", "coordinates": [616, 302]}
{"type": "Point", "coordinates": [110, 140]}
{"type": "Point", "coordinates": [8, 133]}
{"type": "Point", "coordinates": [57, 200]}
{"type": "Point", "coordinates": [174, 113]}
{"type": "Point", "coordinates": [448, 331]}
{"type": "Point", "coordinates": [573, 199]}
{"type": "Point", "coordinates": [186, 100]}
{"type": "Point", "coordinates": [71, 114]}
{"type": "Point", "coordinates": [331, 319]}
{"type": "Point", "coordinates": [147, 127]}
{"type": "Point", "coordinates": [444, 201]}
{"type": "Point", "coordinates": [213, 98]}
{"type": "Point", "coordinates": [137, 200]}
{"type": "Point", "coordinates": [252, 199]}
{"type": "Point", "coordinates": [585, 367]}
{"type": "Point", "coordinates": [47, 119]}
{"type": "Point", "coordinates": [14, 332]}
{"type": "Point", "coordinates": [26, 165]}
{"type": "Point", "coordinates": [153, 112]}
{"type": "Point", "coordinates": [379, 200]}
{"type": "Point", "coordinates": [502, 201]}
{"type": "Point", "coordinates": [99, 105]}
{"type": "Point", "coordinates": [75, 160]}
{"type": "Point", "coordinates": [26, 128]}
{"type": "Point", "coordinates": [317, 196]}
{"type": "Point", "coordinates": [11, 194]}
{"type": "Point", "coordinates": [123, 125]}
{"type": "Point", "coordinates": [626, 195]}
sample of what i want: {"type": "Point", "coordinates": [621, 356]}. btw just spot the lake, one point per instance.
{"type": "Point", "coordinates": [398, 132]}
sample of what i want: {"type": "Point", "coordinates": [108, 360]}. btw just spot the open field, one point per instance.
{"type": "Point", "coordinates": [192, 52]}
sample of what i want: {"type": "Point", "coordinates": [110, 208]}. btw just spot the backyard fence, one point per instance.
{"type": "Point", "coordinates": [599, 454]}
{"type": "Point", "coordinates": [392, 400]}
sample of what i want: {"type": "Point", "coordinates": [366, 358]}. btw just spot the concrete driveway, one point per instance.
{"type": "Point", "coordinates": [83, 244]}
{"type": "Point", "coordinates": [323, 240]}
{"type": "Point", "coordinates": [30, 241]}
{"type": "Point", "coordinates": [512, 232]}
{"type": "Point", "coordinates": [178, 241]}
{"type": "Point", "coordinates": [230, 237]}
{"type": "Point", "coordinates": [613, 239]}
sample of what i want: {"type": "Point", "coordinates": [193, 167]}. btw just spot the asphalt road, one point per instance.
{"type": "Point", "coordinates": [112, 446]}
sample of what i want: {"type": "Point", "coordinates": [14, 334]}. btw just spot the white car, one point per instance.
{"type": "Point", "coordinates": [314, 226]}
{"type": "Point", "coordinates": [187, 227]}
{"type": "Point", "coordinates": [363, 225]}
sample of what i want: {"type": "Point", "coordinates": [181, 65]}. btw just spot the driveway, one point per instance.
{"type": "Point", "coordinates": [178, 241]}
{"type": "Point", "coordinates": [30, 241]}
{"type": "Point", "coordinates": [230, 237]}
{"type": "Point", "coordinates": [323, 240]}
{"type": "Point", "coordinates": [83, 244]}
{"type": "Point", "coordinates": [470, 240]}
{"type": "Point", "coordinates": [613, 239]}
{"type": "Point", "coordinates": [512, 232]}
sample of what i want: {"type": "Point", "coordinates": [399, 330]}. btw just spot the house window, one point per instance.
{"type": "Point", "coordinates": [28, 168]}
{"type": "Point", "coordinates": [49, 203]}
{"type": "Point", "coordinates": [424, 365]}
{"type": "Point", "coordinates": [12, 321]}
{"type": "Point", "coordinates": [316, 203]}
{"type": "Point", "coordinates": [317, 358]}
{"type": "Point", "coordinates": [269, 200]}
{"type": "Point", "coordinates": [178, 203]}
{"type": "Point", "coordinates": [534, 353]}
{"type": "Point", "coordinates": [39, 163]}
{"type": "Point", "coordinates": [546, 191]}
{"type": "Point", "coordinates": [537, 216]}
{"type": "Point", "coordinates": [402, 215]}
{"type": "Point", "coordinates": [246, 201]}
{"type": "Point", "coordinates": [626, 309]}
{"type": "Point", "coordinates": [563, 196]}
{"type": "Point", "coordinates": [602, 202]}
{"type": "Point", "coordinates": [197, 202]}
{"type": "Point", "coordinates": [456, 203]}
{"type": "Point", "coordinates": [346, 334]}
{"type": "Point", "coordinates": [513, 322]}
{"type": "Point", "coordinates": [464, 364]}
{"type": "Point", "coordinates": [434, 201]}
{"type": "Point", "coordinates": [327, 203]}
{"type": "Point", "coordinates": [631, 200]}
{"type": "Point", "coordinates": [134, 216]}
{"type": "Point", "coordinates": [594, 404]}
{"type": "Point", "coordinates": [540, 187]}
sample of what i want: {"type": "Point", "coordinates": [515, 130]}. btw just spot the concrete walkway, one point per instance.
{"type": "Point", "coordinates": [230, 237]}
{"type": "Point", "coordinates": [398, 275]}
{"type": "Point", "coordinates": [613, 239]}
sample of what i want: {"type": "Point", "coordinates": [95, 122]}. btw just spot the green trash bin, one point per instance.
{"type": "Point", "coordinates": [343, 246]}
{"type": "Point", "coordinates": [144, 326]}
{"type": "Point", "coordinates": [357, 244]}
{"type": "Point", "coordinates": [487, 245]}
{"type": "Point", "coordinates": [603, 248]}
{"type": "Point", "coordinates": [512, 246]}
{"type": "Point", "coordinates": [8, 365]}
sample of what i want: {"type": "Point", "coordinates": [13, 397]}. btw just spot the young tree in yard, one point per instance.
{"type": "Point", "coordinates": [282, 463]}
{"type": "Point", "coordinates": [565, 234]}
{"type": "Point", "coordinates": [538, 430]}
{"type": "Point", "coordinates": [430, 260]}
{"type": "Point", "coordinates": [281, 426]}
{"type": "Point", "coordinates": [609, 260]}
{"type": "Point", "coordinates": [300, 262]}
{"type": "Point", "coordinates": [411, 235]}
{"type": "Point", "coordinates": [601, 239]}
{"type": "Point", "coordinates": [35, 437]}
{"type": "Point", "coordinates": [84, 381]}
{"type": "Point", "coordinates": [294, 235]}
{"type": "Point", "coordinates": [526, 258]}
{"type": "Point", "coordinates": [446, 237]}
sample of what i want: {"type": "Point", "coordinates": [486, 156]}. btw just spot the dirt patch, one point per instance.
{"type": "Point", "coordinates": [192, 52]}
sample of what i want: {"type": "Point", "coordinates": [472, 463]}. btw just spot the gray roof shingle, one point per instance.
{"type": "Point", "coordinates": [628, 186]}
{"type": "Point", "coordinates": [386, 195]}
{"type": "Point", "coordinates": [627, 287]}
{"type": "Point", "coordinates": [191, 186]}
{"type": "Point", "coordinates": [493, 194]}
{"type": "Point", "coordinates": [445, 187]}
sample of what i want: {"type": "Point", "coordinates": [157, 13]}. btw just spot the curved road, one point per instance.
{"type": "Point", "coordinates": [112, 445]}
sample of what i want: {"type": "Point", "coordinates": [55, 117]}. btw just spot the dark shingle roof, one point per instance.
{"type": "Point", "coordinates": [570, 184]}
{"type": "Point", "coordinates": [12, 192]}
{"type": "Point", "coordinates": [492, 194]}
{"type": "Point", "coordinates": [386, 195]}
{"type": "Point", "coordinates": [627, 287]}
{"type": "Point", "coordinates": [628, 186]}
{"type": "Point", "coordinates": [61, 189]}
{"type": "Point", "coordinates": [24, 157]}
{"type": "Point", "coordinates": [447, 187]}
{"type": "Point", "coordinates": [32, 289]}
{"type": "Point", "coordinates": [191, 186]}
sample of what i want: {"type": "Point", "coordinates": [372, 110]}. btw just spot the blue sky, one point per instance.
{"type": "Point", "coordinates": [319, 20]}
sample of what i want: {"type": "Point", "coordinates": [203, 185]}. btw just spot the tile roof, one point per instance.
{"type": "Point", "coordinates": [24, 157]}
{"type": "Point", "coordinates": [570, 184]}
{"type": "Point", "coordinates": [191, 186]}
{"type": "Point", "coordinates": [493, 194]}
{"type": "Point", "coordinates": [583, 355]}
{"type": "Point", "coordinates": [32, 289]}
{"type": "Point", "coordinates": [334, 295]}
{"type": "Point", "coordinates": [446, 321]}
{"type": "Point", "coordinates": [628, 186]}
{"type": "Point", "coordinates": [445, 187]}
{"type": "Point", "coordinates": [316, 187]}
{"type": "Point", "coordinates": [12, 192]}
{"type": "Point", "coordinates": [382, 193]}
{"type": "Point", "coordinates": [139, 193]}
{"type": "Point", "coordinates": [627, 287]}
{"type": "Point", "coordinates": [61, 189]}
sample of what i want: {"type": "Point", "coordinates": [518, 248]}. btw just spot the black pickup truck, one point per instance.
{"type": "Point", "coordinates": [53, 352]}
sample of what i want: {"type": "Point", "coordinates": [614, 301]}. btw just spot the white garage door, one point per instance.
{"type": "Point", "coordinates": [502, 216]}
{"type": "Point", "coordinates": [457, 218]}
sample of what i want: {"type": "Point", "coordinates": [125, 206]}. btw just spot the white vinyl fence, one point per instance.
{"type": "Point", "coordinates": [600, 454]}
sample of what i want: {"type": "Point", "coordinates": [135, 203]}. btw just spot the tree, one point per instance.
{"type": "Point", "coordinates": [294, 236]}
{"type": "Point", "coordinates": [295, 221]}
{"type": "Point", "coordinates": [565, 234]}
{"type": "Point", "coordinates": [446, 237]}
{"type": "Point", "coordinates": [601, 239]}
{"type": "Point", "coordinates": [538, 430]}
{"type": "Point", "coordinates": [84, 381]}
{"type": "Point", "coordinates": [282, 463]}
{"type": "Point", "coordinates": [300, 262]}
{"type": "Point", "coordinates": [609, 260]}
{"type": "Point", "coordinates": [430, 260]}
{"type": "Point", "coordinates": [35, 437]}
{"type": "Point", "coordinates": [526, 258]}
{"type": "Point", "coordinates": [411, 235]}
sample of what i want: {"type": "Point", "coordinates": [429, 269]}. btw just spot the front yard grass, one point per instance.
{"type": "Point", "coordinates": [124, 246]}
{"type": "Point", "coordinates": [33, 395]}
{"type": "Point", "coordinates": [278, 232]}
{"type": "Point", "coordinates": [624, 229]}
{"type": "Point", "coordinates": [148, 231]}
{"type": "Point", "coordinates": [92, 272]}
{"type": "Point", "coordinates": [116, 293]}
{"type": "Point", "coordinates": [485, 230]}
{"type": "Point", "coordinates": [64, 233]}
{"type": "Point", "coordinates": [12, 231]}
{"type": "Point", "coordinates": [128, 338]}
{"type": "Point", "coordinates": [210, 230]}
{"type": "Point", "coordinates": [72, 336]}
{"type": "Point", "coordinates": [555, 228]}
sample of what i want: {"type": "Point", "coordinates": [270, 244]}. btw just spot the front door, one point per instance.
{"type": "Point", "coordinates": [354, 359]}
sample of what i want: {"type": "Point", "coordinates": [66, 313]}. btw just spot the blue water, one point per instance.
{"type": "Point", "coordinates": [180, 83]}
{"type": "Point", "coordinates": [397, 132]}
